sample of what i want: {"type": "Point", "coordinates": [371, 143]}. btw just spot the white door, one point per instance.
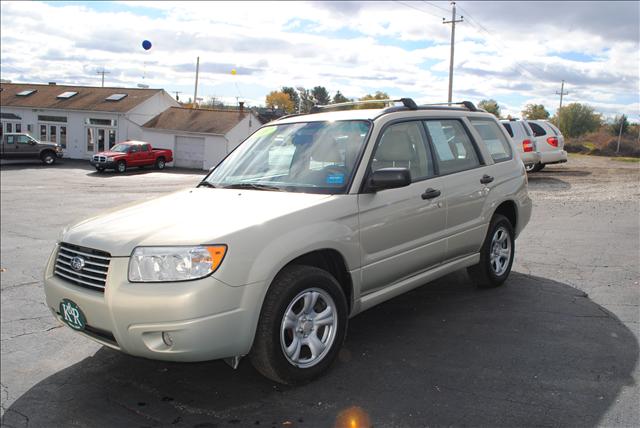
{"type": "Point", "coordinates": [189, 152]}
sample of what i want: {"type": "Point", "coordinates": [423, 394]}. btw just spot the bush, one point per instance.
{"type": "Point", "coordinates": [627, 148]}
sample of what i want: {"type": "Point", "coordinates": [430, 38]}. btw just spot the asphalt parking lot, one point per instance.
{"type": "Point", "coordinates": [556, 346]}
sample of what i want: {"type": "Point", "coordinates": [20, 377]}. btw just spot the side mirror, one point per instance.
{"type": "Point", "coordinates": [388, 178]}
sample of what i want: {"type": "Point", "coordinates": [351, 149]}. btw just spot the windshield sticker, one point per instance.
{"type": "Point", "coordinates": [335, 179]}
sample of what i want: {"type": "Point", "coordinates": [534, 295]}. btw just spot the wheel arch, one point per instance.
{"type": "Point", "coordinates": [509, 209]}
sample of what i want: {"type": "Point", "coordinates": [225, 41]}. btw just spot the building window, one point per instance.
{"type": "Point", "coordinates": [101, 122]}
{"type": "Point", "coordinates": [112, 137]}
{"type": "Point", "coordinates": [63, 137]}
{"type": "Point", "coordinates": [18, 127]}
{"type": "Point", "coordinates": [52, 134]}
{"type": "Point", "coordinates": [90, 140]}
{"type": "Point", "coordinates": [45, 118]}
{"type": "Point", "coordinates": [9, 127]}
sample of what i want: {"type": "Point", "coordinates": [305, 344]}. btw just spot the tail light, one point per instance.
{"type": "Point", "coordinates": [553, 141]}
{"type": "Point", "coordinates": [527, 145]}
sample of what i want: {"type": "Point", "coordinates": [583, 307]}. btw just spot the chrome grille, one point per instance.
{"type": "Point", "coordinates": [97, 158]}
{"type": "Point", "coordinates": [93, 273]}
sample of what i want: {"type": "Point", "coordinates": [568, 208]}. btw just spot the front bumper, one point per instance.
{"type": "Point", "coordinates": [555, 156]}
{"type": "Point", "coordinates": [207, 319]}
{"type": "Point", "coordinates": [105, 165]}
{"type": "Point", "coordinates": [59, 155]}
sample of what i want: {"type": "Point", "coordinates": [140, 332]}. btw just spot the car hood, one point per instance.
{"type": "Point", "coordinates": [109, 153]}
{"type": "Point", "coordinates": [189, 217]}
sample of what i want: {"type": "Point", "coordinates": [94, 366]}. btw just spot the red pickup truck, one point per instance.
{"type": "Point", "coordinates": [131, 153]}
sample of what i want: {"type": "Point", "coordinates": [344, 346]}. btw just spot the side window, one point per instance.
{"type": "Point", "coordinates": [507, 126]}
{"type": "Point", "coordinates": [526, 129]}
{"type": "Point", "coordinates": [553, 129]}
{"type": "Point", "coordinates": [494, 139]}
{"type": "Point", "coordinates": [538, 131]}
{"type": "Point", "coordinates": [402, 146]}
{"type": "Point", "coordinates": [10, 139]}
{"type": "Point", "coordinates": [148, 146]}
{"type": "Point", "coordinates": [454, 150]}
{"type": "Point", "coordinates": [23, 139]}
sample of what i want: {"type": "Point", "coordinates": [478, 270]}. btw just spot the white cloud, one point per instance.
{"type": "Point", "coordinates": [511, 52]}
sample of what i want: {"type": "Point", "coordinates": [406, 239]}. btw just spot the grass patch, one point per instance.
{"type": "Point", "coordinates": [625, 159]}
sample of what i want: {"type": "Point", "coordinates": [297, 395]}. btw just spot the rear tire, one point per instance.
{"type": "Point", "coordinates": [121, 167]}
{"type": "Point", "coordinates": [536, 167]}
{"type": "Point", "coordinates": [302, 325]}
{"type": "Point", "coordinates": [48, 158]}
{"type": "Point", "coordinates": [160, 164]}
{"type": "Point", "coordinates": [496, 254]}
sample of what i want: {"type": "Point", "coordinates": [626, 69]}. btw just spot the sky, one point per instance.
{"type": "Point", "coordinates": [514, 52]}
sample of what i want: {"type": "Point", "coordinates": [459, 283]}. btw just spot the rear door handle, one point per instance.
{"type": "Point", "coordinates": [486, 179]}
{"type": "Point", "coordinates": [430, 193]}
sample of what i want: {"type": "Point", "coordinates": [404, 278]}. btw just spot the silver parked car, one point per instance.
{"type": "Point", "coordinates": [310, 221]}
{"type": "Point", "coordinates": [524, 141]}
{"type": "Point", "coordinates": [549, 144]}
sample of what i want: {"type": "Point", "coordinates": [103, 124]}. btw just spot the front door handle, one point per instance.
{"type": "Point", "coordinates": [430, 193]}
{"type": "Point", "coordinates": [486, 179]}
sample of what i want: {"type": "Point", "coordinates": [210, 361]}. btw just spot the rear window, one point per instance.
{"type": "Point", "coordinates": [494, 139]}
{"type": "Point", "coordinates": [553, 128]}
{"type": "Point", "coordinates": [527, 130]}
{"type": "Point", "coordinates": [507, 126]}
{"type": "Point", "coordinates": [538, 130]}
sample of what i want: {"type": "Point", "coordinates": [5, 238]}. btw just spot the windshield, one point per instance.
{"type": "Point", "coordinates": [122, 148]}
{"type": "Point", "coordinates": [311, 157]}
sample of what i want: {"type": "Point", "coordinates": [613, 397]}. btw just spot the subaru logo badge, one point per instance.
{"type": "Point", "coordinates": [77, 263]}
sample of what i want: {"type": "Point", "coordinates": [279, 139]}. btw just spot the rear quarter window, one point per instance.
{"type": "Point", "coordinates": [507, 126]}
{"type": "Point", "coordinates": [538, 130]}
{"type": "Point", "coordinates": [494, 139]}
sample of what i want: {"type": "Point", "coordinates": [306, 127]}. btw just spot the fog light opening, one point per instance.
{"type": "Point", "coordinates": [167, 339]}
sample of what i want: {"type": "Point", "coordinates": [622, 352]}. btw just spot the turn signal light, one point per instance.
{"type": "Point", "coordinates": [527, 146]}
{"type": "Point", "coordinates": [553, 141]}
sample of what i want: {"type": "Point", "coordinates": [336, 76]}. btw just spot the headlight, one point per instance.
{"type": "Point", "coordinates": [166, 264]}
{"type": "Point", "coordinates": [110, 159]}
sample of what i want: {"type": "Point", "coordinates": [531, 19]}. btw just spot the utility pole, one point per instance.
{"type": "Point", "coordinates": [561, 93]}
{"type": "Point", "coordinates": [622, 119]}
{"type": "Point", "coordinates": [195, 92]}
{"type": "Point", "coordinates": [103, 72]}
{"type": "Point", "coordinates": [453, 38]}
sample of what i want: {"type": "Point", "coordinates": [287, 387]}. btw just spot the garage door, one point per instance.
{"type": "Point", "coordinates": [189, 152]}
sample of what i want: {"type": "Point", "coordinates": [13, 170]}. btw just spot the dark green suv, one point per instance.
{"type": "Point", "coordinates": [23, 146]}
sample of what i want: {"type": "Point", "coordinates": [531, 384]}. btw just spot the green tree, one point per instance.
{"type": "Point", "coordinates": [491, 106]}
{"type": "Point", "coordinates": [534, 112]}
{"type": "Point", "coordinates": [577, 119]}
{"type": "Point", "coordinates": [293, 94]}
{"type": "Point", "coordinates": [320, 95]}
{"type": "Point", "coordinates": [339, 98]}
{"type": "Point", "coordinates": [377, 96]}
{"type": "Point", "coordinates": [278, 99]}
{"type": "Point", "coordinates": [619, 122]}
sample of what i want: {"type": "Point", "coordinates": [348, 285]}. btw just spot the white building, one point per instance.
{"type": "Point", "coordinates": [199, 138]}
{"type": "Point", "coordinates": [84, 120]}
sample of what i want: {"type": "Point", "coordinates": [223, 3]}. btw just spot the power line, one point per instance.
{"type": "Point", "coordinates": [416, 8]}
{"type": "Point", "coordinates": [436, 6]}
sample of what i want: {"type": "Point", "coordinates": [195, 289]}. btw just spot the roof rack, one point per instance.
{"type": "Point", "coordinates": [407, 102]}
{"type": "Point", "coordinates": [467, 104]}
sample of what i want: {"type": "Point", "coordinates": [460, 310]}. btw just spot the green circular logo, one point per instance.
{"type": "Point", "coordinates": [72, 315]}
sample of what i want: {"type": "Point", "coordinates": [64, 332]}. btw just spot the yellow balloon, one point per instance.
{"type": "Point", "coordinates": [233, 71]}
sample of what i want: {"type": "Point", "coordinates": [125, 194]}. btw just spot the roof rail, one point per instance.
{"type": "Point", "coordinates": [407, 102]}
{"type": "Point", "coordinates": [466, 104]}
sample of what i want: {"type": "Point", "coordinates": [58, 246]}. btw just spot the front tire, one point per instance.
{"type": "Point", "coordinates": [121, 167]}
{"type": "Point", "coordinates": [536, 167]}
{"type": "Point", "coordinates": [48, 158]}
{"type": "Point", "coordinates": [302, 325]}
{"type": "Point", "coordinates": [160, 164]}
{"type": "Point", "coordinates": [496, 254]}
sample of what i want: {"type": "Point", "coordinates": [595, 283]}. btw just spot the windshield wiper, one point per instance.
{"type": "Point", "coordinates": [252, 186]}
{"type": "Point", "coordinates": [206, 184]}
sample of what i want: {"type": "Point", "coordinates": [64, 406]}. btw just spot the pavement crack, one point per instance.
{"type": "Point", "coordinates": [32, 332]}
{"type": "Point", "coordinates": [9, 287]}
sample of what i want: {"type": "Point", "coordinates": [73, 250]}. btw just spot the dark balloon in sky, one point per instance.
{"type": "Point", "coordinates": [146, 45]}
